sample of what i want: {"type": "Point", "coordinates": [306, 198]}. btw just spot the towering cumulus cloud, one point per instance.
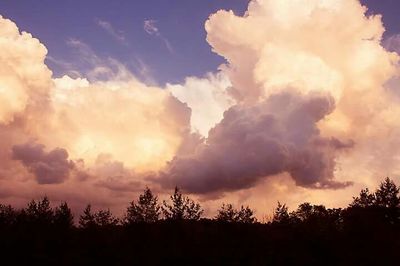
{"type": "Point", "coordinates": [308, 44]}
{"type": "Point", "coordinates": [24, 80]}
{"type": "Point", "coordinates": [281, 57]}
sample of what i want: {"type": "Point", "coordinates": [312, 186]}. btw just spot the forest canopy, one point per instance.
{"type": "Point", "coordinates": [153, 232]}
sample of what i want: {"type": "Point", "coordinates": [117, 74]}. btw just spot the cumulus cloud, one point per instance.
{"type": "Point", "coordinates": [318, 46]}
{"type": "Point", "coordinates": [19, 50]}
{"type": "Point", "coordinates": [48, 167]}
{"type": "Point", "coordinates": [105, 111]}
{"type": "Point", "coordinates": [254, 141]}
{"type": "Point", "coordinates": [302, 97]}
{"type": "Point", "coordinates": [207, 98]}
{"type": "Point", "coordinates": [139, 125]}
{"type": "Point", "coordinates": [310, 45]}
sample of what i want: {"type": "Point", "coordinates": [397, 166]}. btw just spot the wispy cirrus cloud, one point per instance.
{"type": "Point", "coordinates": [115, 33]}
{"type": "Point", "coordinates": [149, 26]}
{"type": "Point", "coordinates": [95, 67]}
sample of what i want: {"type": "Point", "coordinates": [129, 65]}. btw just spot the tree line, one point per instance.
{"type": "Point", "coordinates": [146, 209]}
{"type": "Point", "coordinates": [174, 231]}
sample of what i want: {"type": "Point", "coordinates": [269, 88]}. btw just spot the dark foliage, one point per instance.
{"type": "Point", "coordinates": [365, 233]}
{"type": "Point", "coordinates": [229, 214]}
{"type": "Point", "coordinates": [145, 210]}
{"type": "Point", "coordinates": [63, 216]}
{"type": "Point", "coordinates": [181, 208]}
{"type": "Point", "coordinates": [99, 219]}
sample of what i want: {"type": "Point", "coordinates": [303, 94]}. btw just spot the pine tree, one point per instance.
{"type": "Point", "coordinates": [281, 214]}
{"type": "Point", "coordinates": [182, 208]}
{"type": "Point", "coordinates": [87, 219]}
{"type": "Point", "coordinates": [226, 213]}
{"type": "Point", "coordinates": [364, 200]}
{"type": "Point", "coordinates": [145, 210]}
{"type": "Point", "coordinates": [39, 212]}
{"type": "Point", "coordinates": [8, 215]}
{"type": "Point", "coordinates": [387, 194]}
{"type": "Point", "coordinates": [104, 218]}
{"type": "Point", "coordinates": [63, 216]}
{"type": "Point", "coordinates": [245, 215]}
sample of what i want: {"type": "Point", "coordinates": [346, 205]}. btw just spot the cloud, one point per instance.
{"type": "Point", "coordinates": [207, 97]}
{"type": "Point", "coordinates": [149, 26]}
{"type": "Point", "coordinates": [311, 46]}
{"type": "Point", "coordinates": [301, 104]}
{"type": "Point", "coordinates": [94, 68]}
{"type": "Point", "coordinates": [51, 167]}
{"type": "Point", "coordinates": [108, 27]}
{"type": "Point", "coordinates": [20, 50]}
{"type": "Point", "coordinates": [105, 110]}
{"type": "Point", "coordinates": [114, 175]}
{"type": "Point", "coordinates": [85, 54]}
{"type": "Point", "coordinates": [260, 140]}
{"type": "Point", "coordinates": [392, 43]}
{"type": "Point", "coordinates": [139, 125]}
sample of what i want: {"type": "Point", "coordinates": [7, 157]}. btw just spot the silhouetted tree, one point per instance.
{"type": "Point", "coordinates": [227, 213]}
{"type": "Point", "coordinates": [104, 218]}
{"type": "Point", "coordinates": [365, 199]}
{"type": "Point", "coordinates": [101, 218]}
{"type": "Point", "coordinates": [193, 210]}
{"type": "Point", "coordinates": [281, 214]}
{"type": "Point", "coordinates": [303, 212]}
{"type": "Point", "coordinates": [39, 212]}
{"type": "Point", "coordinates": [182, 208]}
{"type": "Point", "coordinates": [365, 233]}
{"type": "Point", "coordinates": [7, 215]}
{"type": "Point", "coordinates": [87, 219]}
{"type": "Point", "coordinates": [63, 216]}
{"type": "Point", "coordinates": [381, 207]}
{"type": "Point", "coordinates": [387, 194]}
{"type": "Point", "coordinates": [246, 215]}
{"type": "Point", "coordinates": [145, 210]}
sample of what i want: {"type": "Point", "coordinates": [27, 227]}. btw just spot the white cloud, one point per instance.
{"type": "Point", "coordinates": [207, 97]}
{"type": "Point", "coordinates": [301, 47]}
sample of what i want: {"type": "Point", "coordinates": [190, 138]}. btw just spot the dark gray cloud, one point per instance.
{"type": "Point", "coordinates": [48, 167]}
{"type": "Point", "coordinates": [255, 141]}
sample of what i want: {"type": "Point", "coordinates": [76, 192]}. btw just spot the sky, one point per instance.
{"type": "Point", "coordinates": [179, 23]}
{"type": "Point", "coordinates": [243, 102]}
{"type": "Point", "coordinates": [116, 29]}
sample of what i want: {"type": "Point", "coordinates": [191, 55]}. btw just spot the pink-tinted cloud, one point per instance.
{"type": "Point", "coordinates": [253, 142]}
{"type": "Point", "coordinates": [299, 105]}
{"type": "Point", "coordinates": [48, 167]}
